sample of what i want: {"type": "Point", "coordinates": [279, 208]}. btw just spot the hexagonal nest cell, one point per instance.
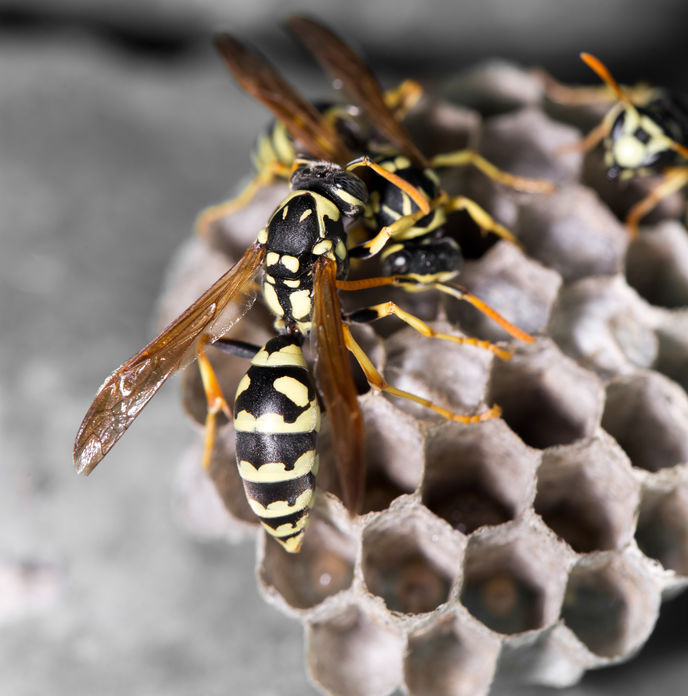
{"type": "Point", "coordinates": [546, 398]}
{"type": "Point", "coordinates": [662, 530]}
{"type": "Point", "coordinates": [587, 494]}
{"type": "Point", "coordinates": [477, 476]}
{"type": "Point", "coordinates": [323, 568]}
{"type": "Point", "coordinates": [529, 547]}
{"type": "Point", "coordinates": [409, 559]}
{"type": "Point", "coordinates": [610, 605]}
{"type": "Point", "coordinates": [353, 653]}
{"type": "Point", "coordinates": [512, 579]}
{"type": "Point", "coordinates": [451, 658]}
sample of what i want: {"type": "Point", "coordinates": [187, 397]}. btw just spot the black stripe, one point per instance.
{"type": "Point", "coordinates": [282, 491]}
{"type": "Point", "coordinates": [293, 520]}
{"type": "Point", "coordinates": [263, 448]}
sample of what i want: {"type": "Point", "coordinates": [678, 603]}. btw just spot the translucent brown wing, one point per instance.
{"type": "Point", "coordinates": [336, 384]}
{"type": "Point", "coordinates": [303, 121]}
{"type": "Point", "coordinates": [130, 387]}
{"type": "Point", "coordinates": [346, 65]}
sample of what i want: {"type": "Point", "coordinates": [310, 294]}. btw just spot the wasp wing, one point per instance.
{"type": "Point", "coordinates": [336, 384]}
{"type": "Point", "coordinates": [346, 65]}
{"type": "Point", "coordinates": [303, 121]}
{"type": "Point", "coordinates": [130, 387]}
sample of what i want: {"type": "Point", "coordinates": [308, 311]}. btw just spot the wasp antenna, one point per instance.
{"type": "Point", "coordinates": [602, 71]}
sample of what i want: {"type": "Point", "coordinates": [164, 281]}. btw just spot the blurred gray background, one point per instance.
{"type": "Point", "coordinates": [117, 125]}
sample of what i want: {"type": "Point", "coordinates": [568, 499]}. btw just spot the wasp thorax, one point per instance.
{"type": "Point", "coordinates": [429, 258]}
{"type": "Point", "coordinates": [343, 188]}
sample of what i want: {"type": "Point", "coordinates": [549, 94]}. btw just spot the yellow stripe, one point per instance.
{"type": "Point", "coordinates": [281, 507]}
{"type": "Point", "coordinates": [293, 389]}
{"type": "Point", "coordinates": [287, 529]}
{"type": "Point", "coordinates": [290, 355]}
{"type": "Point", "coordinates": [274, 423]}
{"type": "Point", "coordinates": [243, 385]}
{"type": "Point", "coordinates": [293, 544]}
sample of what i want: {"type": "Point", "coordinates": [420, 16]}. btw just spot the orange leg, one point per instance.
{"type": "Point", "coordinates": [209, 216]}
{"type": "Point", "coordinates": [389, 308]}
{"type": "Point", "coordinates": [411, 284]}
{"type": "Point", "coordinates": [461, 158]}
{"type": "Point", "coordinates": [215, 401]}
{"type": "Point", "coordinates": [377, 381]}
{"type": "Point", "coordinates": [672, 180]}
{"type": "Point", "coordinates": [480, 216]}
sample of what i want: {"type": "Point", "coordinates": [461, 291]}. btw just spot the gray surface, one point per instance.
{"type": "Point", "coordinates": [104, 163]}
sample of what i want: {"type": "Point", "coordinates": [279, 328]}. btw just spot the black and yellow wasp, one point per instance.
{"type": "Point", "coordinates": [303, 256]}
{"type": "Point", "coordinates": [411, 243]}
{"type": "Point", "coordinates": [275, 149]}
{"type": "Point", "coordinates": [644, 133]}
{"type": "Point", "coordinates": [415, 252]}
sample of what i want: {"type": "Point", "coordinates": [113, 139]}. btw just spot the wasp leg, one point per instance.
{"type": "Point", "coordinates": [672, 180]}
{"type": "Point", "coordinates": [402, 98]}
{"type": "Point", "coordinates": [461, 158]}
{"type": "Point", "coordinates": [210, 215]}
{"type": "Point", "coordinates": [239, 349]}
{"type": "Point", "coordinates": [480, 216]}
{"type": "Point", "coordinates": [377, 381]}
{"type": "Point", "coordinates": [375, 245]}
{"type": "Point", "coordinates": [411, 284]}
{"type": "Point", "coordinates": [215, 400]}
{"type": "Point", "coordinates": [593, 138]}
{"type": "Point", "coordinates": [367, 315]}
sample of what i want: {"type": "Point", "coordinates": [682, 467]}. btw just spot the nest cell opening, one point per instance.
{"type": "Point", "coordinates": [657, 265]}
{"type": "Point", "coordinates": [352, 655]}
{"type": "Point", "coordinates": [500, 591]}
{"type": "Point", "coordinates": [504, 599]}
{"type": "Point", "coordinates": [587, 495]}
{"type": "Point", "coordinates": [323, 567]}
{"type": "Point", "coordinates": [519, 289]}
{"type": "Point", "coordinates": [514, 576]}
{"type": "Point", "coordinates": [452, 659]}
{"type": "Point", "coordinates": [406, 564]}
{"type": "Point", "coordinates": [546, 398]}
{"type": "Point", "coordinates": [662, 531]}
{"type": "Point", "coordinates": [647, 414]}
{"type": "Point", "coordinates": [476, 476]}
{"type": "Point", "coordinates": [610, 607]}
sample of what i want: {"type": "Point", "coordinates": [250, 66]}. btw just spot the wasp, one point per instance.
{"type": "Point", "coordinates": [419, 255]}
{"type": "Point", "coordinates": [302, 254]}
{"type": "Point", "coordinates": [644, 133]}
{"type": "Point", "coordinates": [413, 247]}
{"type": "Point", "coordinates": [276, 149]}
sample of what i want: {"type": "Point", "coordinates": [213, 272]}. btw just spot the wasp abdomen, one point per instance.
{"type": "Point", "coordinates": [276, 419]}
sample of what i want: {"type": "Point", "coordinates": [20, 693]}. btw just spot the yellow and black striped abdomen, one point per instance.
{"type": "Point", "coordinates": [276, 419]}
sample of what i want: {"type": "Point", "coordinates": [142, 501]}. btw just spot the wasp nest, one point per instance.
{"type": "Point", "coordinates": [528, 548]}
